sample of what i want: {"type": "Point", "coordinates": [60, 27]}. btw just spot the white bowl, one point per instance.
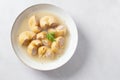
{"type": "Point", "coordinates": [71, 47]}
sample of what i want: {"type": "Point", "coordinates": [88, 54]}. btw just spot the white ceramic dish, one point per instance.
{"type": "Point", "coordinates": [72, 45]}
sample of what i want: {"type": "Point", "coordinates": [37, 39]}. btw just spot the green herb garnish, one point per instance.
{"type": "Point", "coordinates": [51, 36]}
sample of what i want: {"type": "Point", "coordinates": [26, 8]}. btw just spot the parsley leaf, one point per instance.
{"type": "Point", "coordinates": [51, 36]}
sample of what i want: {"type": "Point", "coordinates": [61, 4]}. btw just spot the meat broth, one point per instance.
{"type": "Point", "coordinates": [25, 27]}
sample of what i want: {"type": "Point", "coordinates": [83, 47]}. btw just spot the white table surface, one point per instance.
{"type": "Point", "coordinates": [97, 56]}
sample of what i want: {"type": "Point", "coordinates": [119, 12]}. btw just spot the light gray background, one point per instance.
{"type": "Point", "coordinates": [97, 56]}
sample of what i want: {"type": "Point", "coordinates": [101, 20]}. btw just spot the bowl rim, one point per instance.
{"type": "Point", "coordinates": [74, 49]}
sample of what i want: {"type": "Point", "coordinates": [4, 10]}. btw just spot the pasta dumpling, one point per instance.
{"type": "Point", "coordinates": [41, 35]}
{"type": "Point", "coordinates": [60, 41]}
{"type": "Point", "coordinates": [35, 29]}
{"type": "Point", "coordinates": [49, 54]}
{"type": "Point", "coordinates": [51, 30]}
{"type": "Point", "coordinates": [58, 44]}
{"type": "Point", "coordinates": [32, 48]}
{"type": "Point", "coordinates": [42, 50]}
{"type": "Point", "coordinates": [55, 47]}
{"type": "Point", "coordinates": [32, 21]}
{"type": "Point", "coordinates": [48, 21]}
{"type": "Point", "coordinates": [60, 31]}
{"type": "Point", "coordinates": [46, 42]}
{"type": "Point", "coordinates": [36, 43]}
{"type": "Point", "coordinates": [25, 37]}
{"type": "Point", "coordinates": [33, 24]}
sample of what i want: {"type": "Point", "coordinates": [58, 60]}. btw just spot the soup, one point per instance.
{"type": "Point", "coordinates": [43, 36]}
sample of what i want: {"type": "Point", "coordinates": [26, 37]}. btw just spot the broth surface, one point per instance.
{"type": "Point", "coordinates": [24, 27]}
